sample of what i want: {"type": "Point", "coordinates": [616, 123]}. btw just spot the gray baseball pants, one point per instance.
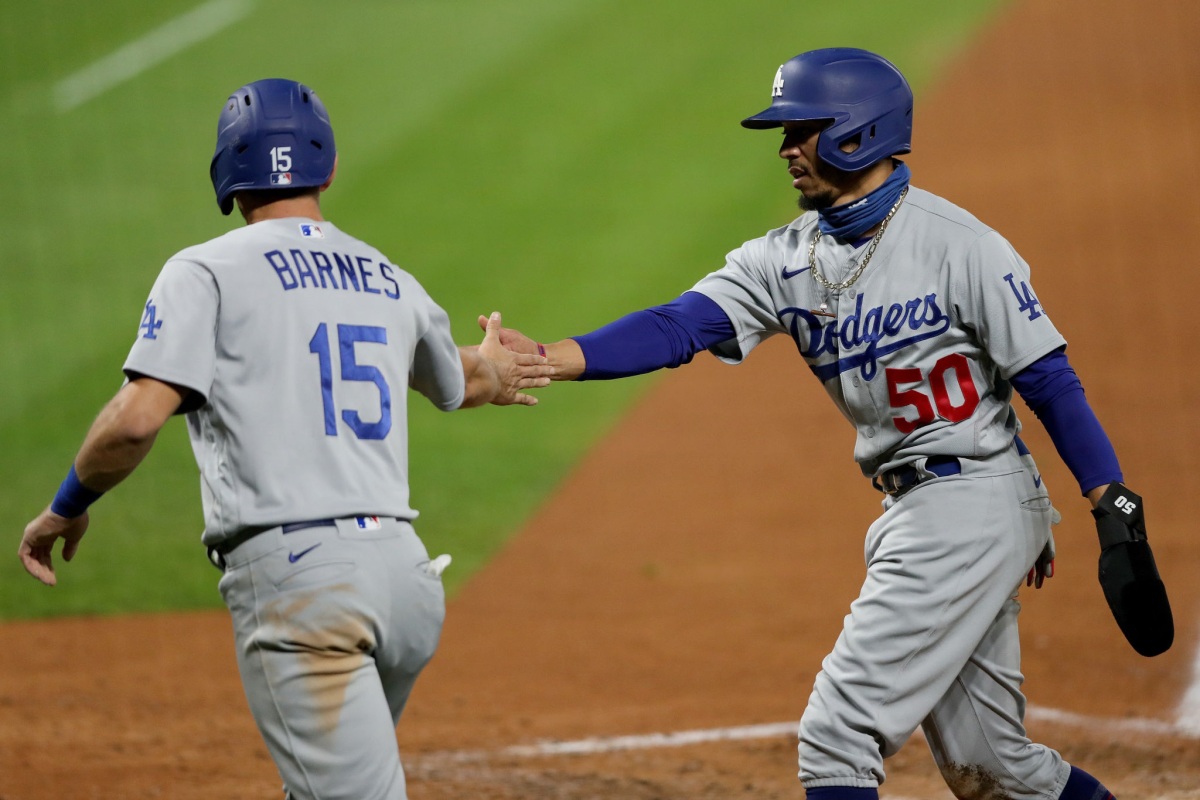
{"type": "Point", "coordinates": [332, 626]}
{"type": "Point", "coordinates": [932, 641]}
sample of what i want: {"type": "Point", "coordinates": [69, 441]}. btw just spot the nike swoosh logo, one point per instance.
{"type": "Point", "coordinates": [787, 274]}
{"type": "Point", "coordinates": [294, 557]}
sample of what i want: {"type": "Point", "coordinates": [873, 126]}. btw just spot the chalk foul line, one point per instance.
{"type": "Point", "coordinates": [652, 740]}
{"type": "Point", "coordinates": [147, 51]}
{"type": "Point", "coordinates": [1188, 718]}
{"type": "Point", "coordinates": [1154, 727]}
{"type": "Point", "coordinates": [774, 730]}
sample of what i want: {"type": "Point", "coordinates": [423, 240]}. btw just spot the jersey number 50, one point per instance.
{"type": "Point", "coordinates": [352, 371]}
{"type": "Point", "coordinates": [941, 396]}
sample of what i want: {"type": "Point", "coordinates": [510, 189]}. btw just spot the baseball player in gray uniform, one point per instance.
{"type": "Point", "coordinates": [289, 345]}
{"type": "Point", "coordinates": [919, 321]}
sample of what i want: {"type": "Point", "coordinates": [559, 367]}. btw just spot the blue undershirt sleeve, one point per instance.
{"type": "Point", "coordinates": [1050, 387]}
{"type": "Point", "coordinates": [663, 336]}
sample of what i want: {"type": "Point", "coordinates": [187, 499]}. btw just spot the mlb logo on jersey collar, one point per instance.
{"type": "Point", "coordinates": [311, 231]}
{"type": "Point", "coordinates": [368, 523]}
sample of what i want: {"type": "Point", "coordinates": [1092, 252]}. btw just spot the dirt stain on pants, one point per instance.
{"type": "Point", "coordinates": [972, 782]}
{"type": "Point", "coordinates": [329, 643]}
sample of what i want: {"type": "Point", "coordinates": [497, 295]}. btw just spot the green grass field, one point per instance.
{"type": "Point", "coordinates": [563, 161]}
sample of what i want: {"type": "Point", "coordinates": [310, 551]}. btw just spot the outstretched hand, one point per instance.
{"type": "Point", "coordinates": [512, 339]}
{"type": "Point", "coordinates": [565, 358]}
{"type": "Point", "coordinates": [37, 544]}
{"type": "Point", "coordinates": [503, 373]}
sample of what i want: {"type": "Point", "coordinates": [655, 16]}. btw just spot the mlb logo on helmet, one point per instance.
{"type": "Point", "coordinates": [311, 231]}
{"type": "Point", "coordinates": [281, 179]}
{"type": "Point", "coordinates": [368, 523]}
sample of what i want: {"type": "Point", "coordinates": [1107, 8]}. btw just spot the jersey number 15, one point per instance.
{"type": "Point", "coordinates": [348, 335]}
{"type": "Point", "coordinates": [946, 409]}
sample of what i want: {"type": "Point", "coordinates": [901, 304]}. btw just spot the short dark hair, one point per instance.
{"type": "Point", "coordinates": [260, 197]}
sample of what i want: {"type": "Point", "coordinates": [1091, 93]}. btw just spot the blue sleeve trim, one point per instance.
{"type": "Point", "coordinates": [663, 336]}
{"type": "Point", "coordinates": [1050, 387]}
{"type": "Point", "coordinates": [73, 497]}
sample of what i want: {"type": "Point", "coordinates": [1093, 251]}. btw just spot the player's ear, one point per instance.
{"type": "Point", "coordinates": [332, 175]}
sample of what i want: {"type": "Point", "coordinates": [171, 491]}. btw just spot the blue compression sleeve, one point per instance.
{"type": "Point", "coordinates": [663, 336]}
{"type": "Point", "coordinates": [1050, 387]}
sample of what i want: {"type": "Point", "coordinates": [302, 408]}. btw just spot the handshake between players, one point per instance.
{"type": "Point", "coordinates": [498, 375]}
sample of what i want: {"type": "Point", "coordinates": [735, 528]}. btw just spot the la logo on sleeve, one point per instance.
{"type": "Point", "coordinates": [150, 321]}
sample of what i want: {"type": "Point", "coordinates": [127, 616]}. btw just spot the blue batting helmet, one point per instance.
{"type": "Point", "coordinates": [272, 134]}
{"type": "Point", "coordinates": [863, 95]}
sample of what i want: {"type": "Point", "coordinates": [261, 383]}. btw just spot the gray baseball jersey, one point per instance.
{"type": "Point", "coordinates": [918, 352]}
{"type": "Point", "coordinates": [297, 341]}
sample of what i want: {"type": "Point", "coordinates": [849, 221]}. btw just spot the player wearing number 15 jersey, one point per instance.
{"type": "Point", "coordinates": [295, 303]}
{"type": "Point", "coordinates": [290, 345]}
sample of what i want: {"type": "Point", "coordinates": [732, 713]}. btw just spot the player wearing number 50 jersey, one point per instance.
{"type": "Point", "coordinates": [919, 321]}
{"type": "Point", "coordinates": [290, 346]}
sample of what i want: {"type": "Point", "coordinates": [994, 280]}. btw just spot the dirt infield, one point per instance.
{"type": "Point", "coordinates": [695, 568]}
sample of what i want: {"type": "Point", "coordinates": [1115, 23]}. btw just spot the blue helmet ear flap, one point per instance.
{"type": "Point", "coordinates": [865, 96]}
{"type": "Point", "coordinates": [271, 134]}
{"type": "Point", "coordinates": [886, 131]}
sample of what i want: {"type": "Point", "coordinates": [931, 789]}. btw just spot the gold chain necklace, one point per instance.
{"type": "Point", "coordinates": [846, 284]}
